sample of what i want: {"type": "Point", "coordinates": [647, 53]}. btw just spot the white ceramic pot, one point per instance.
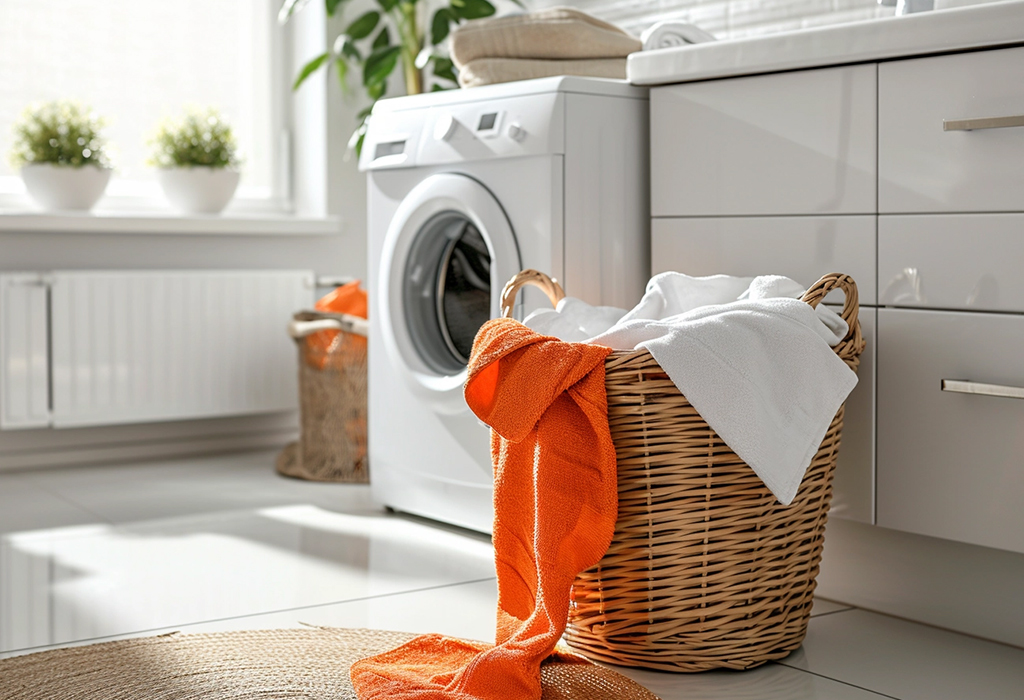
{"type": "Point", "coordinates": [64, 187]}
{"type": "Point", "coordinates": [199, 189]}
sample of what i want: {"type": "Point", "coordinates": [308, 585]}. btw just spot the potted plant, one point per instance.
{"type": "Point", "coordinates": [379, 40]}
{"type": "Point", "coordinates": [197, 160]}
{"type": "Point", "coordinates": [61, 156]}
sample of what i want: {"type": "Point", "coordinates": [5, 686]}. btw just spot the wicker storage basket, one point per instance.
{"type": "Point", "coordinates": [706, 569]}
{"type": "Point", "coordinates": [332, 402]}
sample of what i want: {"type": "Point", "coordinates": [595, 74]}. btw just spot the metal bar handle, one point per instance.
{"type": "Point", "coordinates": [962, 386]}
{"type": "Point", "coordinates": [982, 123]}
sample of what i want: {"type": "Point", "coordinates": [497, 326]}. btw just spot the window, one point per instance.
{"type": "Point", "coordinates": [135, 62]}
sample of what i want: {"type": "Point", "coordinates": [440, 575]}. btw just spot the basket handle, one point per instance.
{"type": "Point", "coordinates": [531, 278]}
{"type": "Point", "coordinates": [820, 289]}
{"type": "Point", "coordinates": [308, 323]}
{"type": "Point", "coordinates": [850, 347]}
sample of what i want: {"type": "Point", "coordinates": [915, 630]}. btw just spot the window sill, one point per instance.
{"type": "Point", "coordinates": [144, 224]}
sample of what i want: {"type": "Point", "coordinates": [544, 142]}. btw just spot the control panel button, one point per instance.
{"type": "Point", "coordinates": [516, 132]}
{"type": "Point", "coordinates": [445, 127]}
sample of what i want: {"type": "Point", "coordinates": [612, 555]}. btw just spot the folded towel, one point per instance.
{"type": "Point", "coordinates": [753, 360]}
{"type": "Point", "coordinates": [554, 33]}
{"type": "Point", "coordinates": [670, 33]}
{"type": "Point", "coordinates": [487, 71]}
{"type": "Point", "coordinates": [546, 403]}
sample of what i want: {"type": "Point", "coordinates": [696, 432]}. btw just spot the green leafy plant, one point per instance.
{"type": "Point", "coordinates": [63, 132]}
{"type": "Point", "coordinates": [378, 41]}
{"type": "Point", "coordinates": [201, 137]}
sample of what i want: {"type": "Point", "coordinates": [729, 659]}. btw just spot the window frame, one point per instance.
{"type": "Point", "coordinates": [14, 200]}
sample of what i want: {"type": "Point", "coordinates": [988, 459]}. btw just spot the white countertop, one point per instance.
{"type": "Point", "coordinates": [941, 31]}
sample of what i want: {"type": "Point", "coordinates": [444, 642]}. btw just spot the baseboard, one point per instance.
{"type": "Point", "coordinates": [59, 448]}
{"type": "Point", "coordinates": [966, 588]}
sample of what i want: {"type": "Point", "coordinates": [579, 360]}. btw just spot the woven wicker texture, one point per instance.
{"type": "Point", "coordinates": [311, 664]}
{"type": "Point", "coordinates": [332, 407]}
{"type": "Point", "coordinates": [705, 570]}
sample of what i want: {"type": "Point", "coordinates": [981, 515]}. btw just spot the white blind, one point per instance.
{"type": "Point", "coordinates": [136, 61]}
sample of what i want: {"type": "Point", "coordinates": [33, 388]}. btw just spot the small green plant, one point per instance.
{"type": "Point", "coordinates": [199, 138]}
{"type": "Point", "coordinates": [62, 132]}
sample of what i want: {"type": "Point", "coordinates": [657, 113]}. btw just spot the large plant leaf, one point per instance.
{"type": "Point", "coordinates": [472, 9]}
{"type": "Point", "coordinates": [344, 46]}
{"type": "Point", "coordinates": [289, 8]}
{"type": "Point", "coordinates": [441, 24]}
{"type": "Point", "coordinates": [332, 6]}
{"type": "Point", "coordinates": [377, 90]}
{"type": "Point", "coordinates": [444, 68]}
{"type": "Point", "coordinates": [361, 28]}
{"type": "Point", "coordinates": [388, 5]}
{"type": "Point", "coordinates": [383, 38]}
{"type": "Point", "coordinates": [309, 68]}
{"type": "Point", "coordinates": [379, 64]}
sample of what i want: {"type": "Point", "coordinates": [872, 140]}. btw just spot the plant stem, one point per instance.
{"type": "Point", "coordinates": [412, 43]}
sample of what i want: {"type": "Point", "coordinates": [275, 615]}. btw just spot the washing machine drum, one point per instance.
{"type": "Point", "coordinates": [447, 290]}
{"type": "Point", "coordinates": [447, 254]}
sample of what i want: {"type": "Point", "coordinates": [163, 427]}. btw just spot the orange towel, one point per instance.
{"type": "Point", "coordinates": [555, 502]}
{"type": "Point", "coordinates": [346, 299]}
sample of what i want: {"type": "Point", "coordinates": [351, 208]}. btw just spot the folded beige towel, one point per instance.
{"type": "Point", "coordinates": [486, 71]}
{"type": "Point", "coordinates": [555, 33]}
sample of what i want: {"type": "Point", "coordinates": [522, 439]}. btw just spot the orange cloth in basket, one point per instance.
{"type": "Point", "coordinates": [346, 299]}
{"type": "Point", "coordinates": [555, 501]}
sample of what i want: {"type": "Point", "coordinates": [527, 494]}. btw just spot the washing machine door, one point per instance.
{"type": "Point", "coordinates": [447, 254]}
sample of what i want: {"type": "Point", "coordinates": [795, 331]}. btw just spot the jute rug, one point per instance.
{"type": "Point", "coordinates": [311, 664]}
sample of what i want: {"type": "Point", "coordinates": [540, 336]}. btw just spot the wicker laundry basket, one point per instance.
{"type": "Point", "coordinates": [706, 569]}
{"type": "Point", "coordinates": [332, 401]}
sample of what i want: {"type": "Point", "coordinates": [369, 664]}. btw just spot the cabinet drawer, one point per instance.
{"type": "Point", "coordinates": [788, 143]}
{"type": "Point", "coordinates": [922, 167]}
{"type": "Point", "coordinates": [801, 247]}
{"type": "Point", "coordinates": [952, 261]}
{"type": "Point", "coordinates": [951, 465]}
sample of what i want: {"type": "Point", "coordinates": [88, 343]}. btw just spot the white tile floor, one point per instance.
{"type": "Point", "coordinates": [224, 544]}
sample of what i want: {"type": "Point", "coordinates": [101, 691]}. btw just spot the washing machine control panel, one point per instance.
{"type": "Point", "coordinates": [475, 130]}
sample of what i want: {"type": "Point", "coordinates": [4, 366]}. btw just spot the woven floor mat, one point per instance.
{"type": "Point", "coordinates": [311, 664]}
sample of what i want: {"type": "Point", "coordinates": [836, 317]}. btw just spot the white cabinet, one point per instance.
{"type": "Point", "coordinates": [927, 162]}
{"type": "Point", "coordinates": [952, 261]}
{"type": "Point", "coordinates": [951, 464]}
{"type": "Point", "coordinates": [802, 247]}
{"type": "Point", "coordinates": [777, 174]}
{"type": "Point", "coordinates": [788, 143]}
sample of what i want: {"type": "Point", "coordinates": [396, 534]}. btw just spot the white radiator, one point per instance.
{"type": "Point", "coordinates": [102, 348]}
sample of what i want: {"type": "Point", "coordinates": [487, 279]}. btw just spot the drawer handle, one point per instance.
{"type": "Point", "coordinates": [985, 123]}
{"type": "Point", "coordinates": [960, 386]}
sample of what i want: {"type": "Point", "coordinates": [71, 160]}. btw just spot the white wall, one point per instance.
{"type": "Point", "coordinates": [727, 19]}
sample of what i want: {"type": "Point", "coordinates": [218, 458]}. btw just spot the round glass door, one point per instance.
{"type": "Point", "coordinates": [447, 290]}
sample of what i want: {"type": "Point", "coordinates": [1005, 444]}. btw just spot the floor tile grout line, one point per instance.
{"type": "Point", "coordinates": [837, 680]}
{"type": "Point", "coordinates": [832, 612]}
{"type": "Point", "coordinates": [242, 617]}
{"type": "Point", "coordinates": [62, 497]}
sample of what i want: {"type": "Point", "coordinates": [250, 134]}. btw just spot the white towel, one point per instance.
{"type": "Point", "coordinates": [574, 321]}
{"type": "Point", "coordinates": [671, 33]}
{"type": "Point", "coordinates": [755, 362]}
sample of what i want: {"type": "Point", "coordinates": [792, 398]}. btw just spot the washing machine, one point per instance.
{"type": "Point", "coordinates": [465, 189]}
